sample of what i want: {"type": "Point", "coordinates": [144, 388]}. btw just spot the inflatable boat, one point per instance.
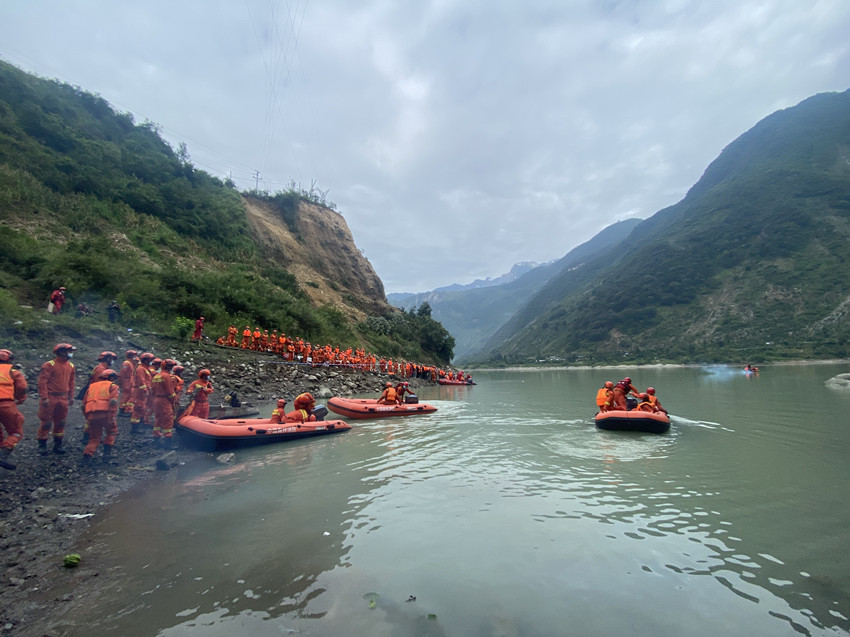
{"type": "Point", "coordinates": [369, 408]}
{"type": "Point", "coordinates": [445, 381]}
{"type": "Point", "coordinates": [211, 435]}
{"type": "Point", "coordinates": [222, 412]}
{"type": "Point", "coordinates": [634, 420]}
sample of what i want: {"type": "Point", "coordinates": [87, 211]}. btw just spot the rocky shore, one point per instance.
{"type": "Point", "coordinates": [47, 502]}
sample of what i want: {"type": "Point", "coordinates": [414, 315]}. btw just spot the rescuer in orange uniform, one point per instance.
{"type": "Point", "coordinates": [650, 391]}
{"type": "Point", "coordinates": [303, 404]}
{"type": "Point", "coordinates": [621, 389]}
{"type": "Point", "coordinates": [246, 338]}
{"type": "Point", "coordinates": [57, 297]}
{"type": "Point", "coordinates": [279, 415]}
{"type": "Point", "coordinates": [100, 407]}
{"type": "Point", "coordinates": [199, 329]}
{"type": "Point", "coordinates": [125, 382]}
{"type": "Point", "coordinates": [645, 404]}
{"type": "Point", "coordinates": [141, 391]}
{"type": "Point", "coordinates": [13, 392]}
{"type": "Point", "coordinates": [56, 395]}
{"type": "Point", "coordinates": [105, 361]}
{"type": "Point", "coordinates": [162, 398]}
{"type": "Point", "coordinates": [388, 396]}
{"type": "Point", "coordinates": [200, 389]}
{"type": "Point", "coordinates": [605, 396]}
{"type": "Point", "coordinates": [177, 375]}
{"type": "Point", "coordinates": [401, 389]}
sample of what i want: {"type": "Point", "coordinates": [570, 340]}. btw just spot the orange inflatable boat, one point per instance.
{"type": "Point", "coordinates": [222, 434]}
{"type": "Point", "coordinates": [634, 420]}
{"type": "Point", "coordinates": [369, 408]}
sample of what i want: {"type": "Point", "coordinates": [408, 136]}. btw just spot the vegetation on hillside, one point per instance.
{"type": "Point", "coordinates": [104, 206]}
{"type": "Point", "coordinates": [752, 264]}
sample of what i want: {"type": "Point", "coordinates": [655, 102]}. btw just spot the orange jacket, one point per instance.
{"type": "Point", "coordinates": [206, 389]}
{"type": "Point", "coordinates": [101, 396]}
{"type": "Point", "coordinates": [603, 396]}
{"type": "Point", "coordinates": [56, 378]}
{"type": "Point", "coordinates": [142, 378]}
{"type": "Point", "coordinates": [13, 384]}
{"type": "Point", "coordinates": [162, 385]}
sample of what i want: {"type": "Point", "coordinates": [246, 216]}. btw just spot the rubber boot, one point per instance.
{"type": "Point", "coordinates": [42, 447]}
{"type": "Point", "coordinates": [86, 461]}
{"type": "Point", "coordinates": [85, 437]}
{"type": "Point", "coordinates": [57, 446]}
{"type": "Point", "coordinates": [107, 453]}
{"type": "Point", "coordinates": [135, 428]}
{"type": "Point", "coordinates": [5, 452]}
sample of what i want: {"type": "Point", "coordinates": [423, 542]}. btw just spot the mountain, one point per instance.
{"type": "Point", "coordinates": [473, 314]}
{"type": "Point", "coordinates": [752, 264]}
{"type": "Point", "coordinates": [103, 206]}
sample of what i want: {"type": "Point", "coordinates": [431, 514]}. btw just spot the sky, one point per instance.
{"type": "Point", "coordinates": [456, 137]}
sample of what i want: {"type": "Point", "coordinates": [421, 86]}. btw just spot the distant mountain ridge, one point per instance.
{"type": "Point", "coordinates": [752, 264]}
{"type": "Point", "coordinates": [473, 314]}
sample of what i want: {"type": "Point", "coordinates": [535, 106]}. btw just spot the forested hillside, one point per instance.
{"type": "Point", "coordinates": [103, 206]}
{"type": "Point", "coordinates": [753, 264]}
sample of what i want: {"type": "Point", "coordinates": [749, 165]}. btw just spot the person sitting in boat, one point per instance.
{"type": "Point", "coordinates": [388, 396]}
{"type": "Point", "coordinates": [645, 404]}
{"type": "Point", "coordinates": [604, 396]}
{"type": "Point", "coordinates": [400, 390]}
{"type": "Point", "coordinates": [304, 405]}
{"type": "Point", "coordinates": [279, 413]}
{"type": "Point", "coordinates": [621, 390]}
{"type": "Point", "coordinates": [654, 400]}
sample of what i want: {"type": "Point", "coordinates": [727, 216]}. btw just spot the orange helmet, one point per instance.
{"type": "Point", "coordinates": [107, 355]}
{"type": "Point", "coordinates": [168, 363]}
{"type": "Point", "coordinates": [204, 374]}
{"type": "Point", "coordinates": [156, 361]}
{"type": "Point", "coordinates": [146, 358]}
{"type": "Point", "coordinates": [650, 391]}
{"type": "Point", "coordinates": [608, 384]}
{"type": "Point", "coordinates": [389, 384]}
{"type": "Point", "coordinates": [62, 347]}
{"type": "Point", "coordinates": [6, 356]}
{"type": "Point", "coordinates": [109, 374]}
{"type": "Point", "coordinates": [281, 402]}
{"type": "Point", "coordinates": [304, 401]}
{"type": "Point", "coordinates": [178, 369]}
{"type": "Point", "coordinates": [131, 353]}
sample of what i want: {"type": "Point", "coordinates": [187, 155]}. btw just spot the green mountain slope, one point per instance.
{"type": "Point", "coordinates": [92, 201]}
{"type": "Point", "coordinates": [754, 263]}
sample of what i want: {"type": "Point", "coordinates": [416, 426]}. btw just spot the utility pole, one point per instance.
{"type": "Point", "coordinates": [257, 181]}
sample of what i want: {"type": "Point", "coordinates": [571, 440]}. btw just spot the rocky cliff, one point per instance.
{"type": "Point", "coordinates": [315, 245]}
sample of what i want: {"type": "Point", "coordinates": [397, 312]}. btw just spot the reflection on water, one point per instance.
{"type": "Point", "coordinates": [508, 513]}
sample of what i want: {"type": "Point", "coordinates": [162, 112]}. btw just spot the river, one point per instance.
{"type": "Point", "coordinates": [508, 513]}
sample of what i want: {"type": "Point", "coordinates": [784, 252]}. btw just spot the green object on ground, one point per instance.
{"type": "Point", "coordinates": [71, 560]}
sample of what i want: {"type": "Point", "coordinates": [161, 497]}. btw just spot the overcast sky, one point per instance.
{"type": "Point", "coordinates": [456, 137]}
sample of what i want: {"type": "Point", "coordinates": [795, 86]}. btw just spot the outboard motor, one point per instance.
{"type": "Point", "coordinates": [320, 411]}
{"type": "Point", "coordinates": [411, 399]}
{"type": "Point", "coordinates": [631, 402]}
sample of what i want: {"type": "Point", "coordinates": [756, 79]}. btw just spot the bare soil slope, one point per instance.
{"type": "Point", "coordinates": [318, 249]}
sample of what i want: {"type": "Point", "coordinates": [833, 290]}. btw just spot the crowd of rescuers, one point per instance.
{"type": "Point", "coordinates": [299, 351]}
{"type": "Point", "coordinates": [611, 397]}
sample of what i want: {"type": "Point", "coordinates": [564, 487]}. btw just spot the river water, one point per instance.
{"type": "Point", "coordinates": [508, 513]}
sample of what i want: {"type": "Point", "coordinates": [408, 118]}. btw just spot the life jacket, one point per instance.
{"type": "Point", "coordinates": [603, 396]}
{"type": "Point", "coordinates": [390, 395]}
{"type": "Point", "coordinates": [98, 397]}
{"type": "Point", "coordinates": [653, 400]}
{"type": "Point", "coordinates": [645, 406]}
{"type": "Point", "coordinates": [7, 385]}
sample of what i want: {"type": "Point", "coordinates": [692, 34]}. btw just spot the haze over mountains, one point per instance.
{"type": "Point", "coordinates": [753, 264]}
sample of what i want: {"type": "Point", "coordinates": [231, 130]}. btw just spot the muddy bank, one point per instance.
{"type": "Point", "coordinates": [48, 501]}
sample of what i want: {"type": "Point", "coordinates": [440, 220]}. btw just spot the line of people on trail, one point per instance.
{"type": "Point", "coordinates": [299, 350]}
{"type": "Point", "coordinates": [613, 397]}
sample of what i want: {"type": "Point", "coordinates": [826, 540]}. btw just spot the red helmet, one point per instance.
{"type": "Point", "coordinates": [6, 356]}
{"type": "Point", "coordinates": [109, 374]}
{"type": "Point", "coordinates": [202, 318]}
{"type": "Point", "coordinates": [147, 357]}
{"type": "Point", "coordinates": [168, 363]}
{"type": "Point", "coordinates": [204, 374]}
{"type": "Point", "coordinates": [61, 347]}
{"type": "Point", "coordinates": [156, 361]}
{"type": "Point", "coordinates": [627, 379]}
{"type": "Point", "coordinates": [609, 384]}
{"type": "Point", "coordinates": [389, 384]}
{"type": "Point", "coordinates": [650, 391]}
{"type": "Point", "coordinates": [304, 401]}
{"type": "Point", "coordinates": [131, 353]}
{"type": "Point", "coordinates": [178, 369]}
{"type": "Point", "coordinates": [107, 355]}
{"type": "Point", "coordinates": [281, 402]}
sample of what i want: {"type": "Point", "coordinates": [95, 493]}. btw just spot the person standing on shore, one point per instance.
{"type": "Point", "coordinates": [13, 392]}
{"type": "Point", "coordinates": [199, 329]}
{"type": "Point", "coordinates": [56, 395]}
{"type": "Point", "coordinates": [200, 390]}
{"type": "Point", "coordinates": [57, 300]}
{"type": "Point", "coordinates": [100, 407]}
{"type": "Point", "coordinates": [162, 399]}
{"type": "Point", "coordinates": [125, 382]}
{"type": "Point", "coordinates": [141, 389]}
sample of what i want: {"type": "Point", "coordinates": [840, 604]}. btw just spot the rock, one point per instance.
{"type": "Point", "coordinates": [226, 458]}
{"type": "Point", "coordinates": [841, 381]}
{"type": "Point", "coordinates": [45, 514]}
{"type": "Point", "coordinates": [167, 461]}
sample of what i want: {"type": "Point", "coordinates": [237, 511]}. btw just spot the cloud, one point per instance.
{"type": "Point", "coordinates": [457, 137]}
